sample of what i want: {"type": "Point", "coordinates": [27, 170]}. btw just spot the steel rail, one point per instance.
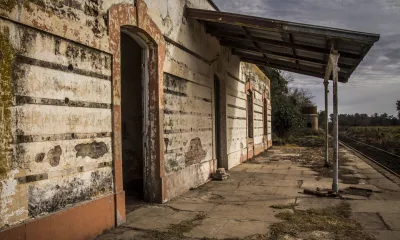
{"type": "Point", "coordinates": [394, 155]}
{"type": "Point", "coordinates": [370, 159]}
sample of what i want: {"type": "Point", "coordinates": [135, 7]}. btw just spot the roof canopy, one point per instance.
{"type": "Point", "coordinates": [293, 47]}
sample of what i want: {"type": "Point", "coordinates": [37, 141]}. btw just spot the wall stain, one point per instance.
{"type": "Point", "coordinates": [166, 142]}
{"type": "Point", "coordinates": [175, 83]}
{"type": "Point", "coordinates": [67, 192]}
{"type": "Point", "coordinates": [64, 9]}
{"type": "Point", "coordinates": [93, 150]}
{"type": "Point", "coordinates": [99, 22]}
{"type": "Point", "coordinates": [8, 5]}
{"type": "Point", "coordinates": [40, 3]}
{"type": "Point", "coordinates": [91, 8]}
{"type": "Point", "coordinates": [16, 161]}
{"type": "Point", "coordinates": [172, 166]}
{"type": "Point", "coordinates": [6, 98]}
{"type": "Point", "coordinates": [195, 153]}
{"type": "Point", "coordinates": [40, 157]}
{"type": "Point", "coordinates": [54, 156]}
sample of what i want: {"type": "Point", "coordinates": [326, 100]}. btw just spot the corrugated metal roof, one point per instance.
{"type": "Point", "coordinates": [289, 46]}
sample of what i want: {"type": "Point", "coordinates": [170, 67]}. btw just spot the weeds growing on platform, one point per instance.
{"type": "Point", "coordinates": [334, 221]}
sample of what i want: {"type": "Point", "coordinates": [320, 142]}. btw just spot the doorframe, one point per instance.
{"type": "Point", "coordinates": [135, 19]}
{"type": "Point", "coordinates": [144, 81]}
{"type": "Point", "coordinates": [217, 122]}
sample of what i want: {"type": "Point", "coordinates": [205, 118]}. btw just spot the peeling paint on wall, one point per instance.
{"type": "Point", "coordinates": [93, 150]}
{"type": "Point", "coordinates": [8, 5]}
{"type": "Point", "coordinates": [49, 197]}
{"type": "Point", "coordinates": [196, 152]}
{"type": "Point", "coordinates": [40, 157]}
{"type": "Point", "coordinates": [52, 80]}
{"type": "Point", "coordinates": [54, 156]}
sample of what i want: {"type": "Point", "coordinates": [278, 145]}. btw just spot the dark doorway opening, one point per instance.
{"type": "Point", "coordinates": [132, 118]}
{"type": "Point", "coordinates": [250, 114]}
{"type": "Point", "coordinates": [217, 121]}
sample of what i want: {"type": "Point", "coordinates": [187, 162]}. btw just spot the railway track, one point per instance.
{"type": "Point", "coordinates": [386, 160]}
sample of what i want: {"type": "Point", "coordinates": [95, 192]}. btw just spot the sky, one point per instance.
{"type": "Point", "coordinates": [374, 86]}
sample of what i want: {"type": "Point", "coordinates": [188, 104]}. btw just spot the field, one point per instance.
{"type": "Point", "coordinates": [387, 138]}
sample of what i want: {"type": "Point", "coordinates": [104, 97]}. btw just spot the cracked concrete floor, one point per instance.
{"type": "Point", "coordinates": [241, 206]}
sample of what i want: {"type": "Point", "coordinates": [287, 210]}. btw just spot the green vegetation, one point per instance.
{"type": "Point", "coordinates": [357, 119]}
{"type": "Point", "coordinates": [286, 103]}
{"type": "Point", "coordinates": [7, 53]}
{"type": "Point", "coordinates": [284, 206]}
{"type": "Point", "coordinates": [313, 158]}
{"type": "Point", "coordinates": [333, 222]}
{"type": "Point", "coordinates": [175, 231]}
{"type": "Point", "coordinates": [387, 138]}
{"type": "Point", "coordinates": [303, 137]}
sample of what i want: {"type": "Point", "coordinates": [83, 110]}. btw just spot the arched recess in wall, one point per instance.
{"type": "Point", "coordinates": [135, 21]}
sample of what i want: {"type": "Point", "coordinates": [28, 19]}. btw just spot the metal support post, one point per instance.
{"type": "Point", "coordinates": [326, 83]}
{"type": "Point", "coordinates": [334, 60]}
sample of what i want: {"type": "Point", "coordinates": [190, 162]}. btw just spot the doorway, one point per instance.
{"type": "Point", "coordinates": [133, 118]}
{"type": "Point", "coordinates": [217, 122]}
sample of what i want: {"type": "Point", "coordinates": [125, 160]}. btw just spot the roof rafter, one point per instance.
{"type": "Point", "coordinates": [277, 25]}
{"type": "Point", "coordinates": [238, 36]}
{"type": "Point", "coordinates": [285, 68]}
{"type": "Point", "coordinates": [288, 46]}
{"type": "Point", "coordinates": [284, 55]}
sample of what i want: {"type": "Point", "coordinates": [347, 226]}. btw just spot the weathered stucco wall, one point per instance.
{"type": "Point", "coordinates": [60, 124]}
{"type": "Point", "coordinates": [57, 104]}
{"type": "Point", "coordinates": [56, 110]}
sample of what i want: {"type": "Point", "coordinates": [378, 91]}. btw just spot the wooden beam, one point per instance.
{"type": "Point", "coordinates": [279, 26]}
{"type": "Point", "coordinates": [285, 68]}
{"type": "Point", "coordinates": [293, 48]}
{"type": "Point", "coordinates": [242, 37]}
{"type": "Point", "coordinates": [283, 63]}
{"type": "Point", "coordinates": [250, 37]}
{"type": "Point", "coordinates": [285, 55]}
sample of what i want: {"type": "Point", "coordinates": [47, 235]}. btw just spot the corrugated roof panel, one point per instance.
{"type": "Point", "coordinates": [273, 56]}
{"type": "Point", "coordinates": [276, 49]}
{"type": "Point", "coordinates": [351, 47]}
{"type": "Point", "coordinates": [316, 41]}
{"type": "Point", "coordinates": [311, 64]}
{"type": "Point", "coordinates": [226, 27]}
{"type": "Point", "coordinates": [252, 53]}
{"type": "Point", "coordinates": [310, 54]}
{"type": "Point", "coordinates": [265, 34]}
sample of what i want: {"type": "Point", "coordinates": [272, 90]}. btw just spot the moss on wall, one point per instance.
{"type": "Point", "coordinates": [8, 5]}
{"type": "Point", "coordinates": [7, 54]}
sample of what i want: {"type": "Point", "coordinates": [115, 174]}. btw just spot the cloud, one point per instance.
{"type": "Point", "coordinates": [373, 87]}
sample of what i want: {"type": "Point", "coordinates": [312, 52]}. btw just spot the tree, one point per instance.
{"type": "Point", "coordinates": [286, 103]}
{"type": "Point", "coordinates": [398, 108]}
{"type": "Point", "coordinates": [357, 119]}
{"type": "Point", "coordinates": [321, 119]}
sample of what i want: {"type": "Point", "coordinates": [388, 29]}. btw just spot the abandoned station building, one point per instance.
{"type": "Point", "coordinates": [107, 101]}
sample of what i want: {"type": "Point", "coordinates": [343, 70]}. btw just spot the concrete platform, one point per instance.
{"type": "Point", "coordinates": [241, 206]}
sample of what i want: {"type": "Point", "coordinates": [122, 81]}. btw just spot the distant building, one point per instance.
{"type": "Point", "coordinates": [311, 117]}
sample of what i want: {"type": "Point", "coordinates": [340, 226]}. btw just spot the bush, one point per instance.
{"type": "Point", "coordinates": [303, 137]}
